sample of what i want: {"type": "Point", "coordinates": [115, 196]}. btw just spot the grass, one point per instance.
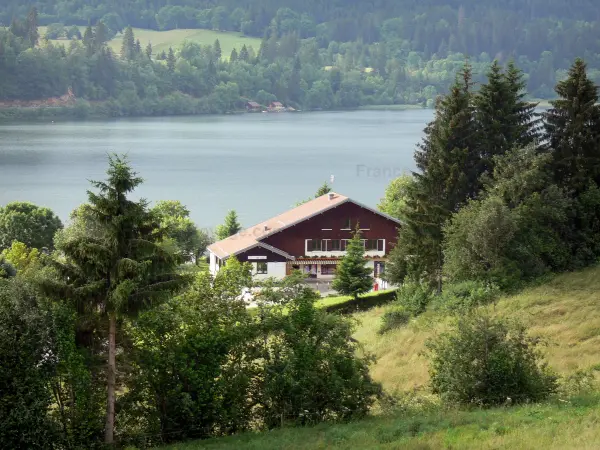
{"type": "Point", "coordinates": [564, 313]}
{"type": "Point", "coordinates": [338, 300]}
{"type": "Point", "coordinates": [550, 426]}
{"type": "Point", "coordinates": [162, 40]}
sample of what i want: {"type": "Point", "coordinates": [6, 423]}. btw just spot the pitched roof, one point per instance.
{"type": "Point", "coordinates": [250, 237]}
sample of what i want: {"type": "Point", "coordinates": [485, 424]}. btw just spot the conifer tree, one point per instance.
{"type": "Point", "coordinates": [100, 36]}
{"type": "Point", "coordinates": [244, 55]}
{"type": "Point", "coordinates": [526, 123]}
{"type": "Point", "coordinates": [217, 50]}
{"type": "Point", "coordinates": [149, 50]}
{"type": "Point", "coordinates": [449, 161]}
{"type": "Point", "coordinates": [234, 55]}
{"type": "Point", "coordinates": [32, 27]}
{"type": "Point", "coordinates": [324, 189]}
{"type": "Point", "coordinates": [88, 40]}
{"type": "Point", "coordinates": [113, 264]}
{"type": "Point", "coordinates": [573, 130]}
{"type": "Point", "coordinates": [128, 45]}
{"type": "Point", "coordinates": [353, 277]}
{"type": "Point", "coordinates": [171, 60]}
{"type": "Point", "coordinates": [230, 227]}
{"type": "Point", "coordinates": [138, 47]}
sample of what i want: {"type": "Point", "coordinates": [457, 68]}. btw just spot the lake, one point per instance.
{"type": "Point", "coordinates": [258, 164]}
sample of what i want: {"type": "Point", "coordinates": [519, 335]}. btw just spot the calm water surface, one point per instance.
{"type": "Point", "coordinates": [258, 164]}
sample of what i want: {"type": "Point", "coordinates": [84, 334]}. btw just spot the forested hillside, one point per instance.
{"type": "Point", "coordinates": [314, 54]}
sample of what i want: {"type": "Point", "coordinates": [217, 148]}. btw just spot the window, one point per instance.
{"type": "Point", "coordinates": [335, 245]}
{"type": "Point", "coordinates": [347, 225]}
{"type": "Point", "coordinates": [379, 268]}
{"type": "Point", "coordinates": [370, 244]}
{"type": "Point", "coordinates": [344, 244]}
{"type": "Point", "coordinates": [327, 269]}
{"type": "Point", "coordinates": [261, 268]}
{"type": "Point", "coordinates": [315, 245]}
{"type": "Point", "coordinates": [380, 244]}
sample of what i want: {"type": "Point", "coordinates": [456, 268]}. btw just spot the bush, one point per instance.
{"type": "Point", "coordinates": [486, 361]}
{"type": "Point", "coordinates": [393, 319]}
{"type": "Point", "coordinates": [467, 295]}
{"type": "Point", "coordinates": [414, 297]}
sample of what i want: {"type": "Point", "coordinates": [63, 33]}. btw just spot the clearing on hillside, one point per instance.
{"type": "Point", "coordinates": [162, 40]}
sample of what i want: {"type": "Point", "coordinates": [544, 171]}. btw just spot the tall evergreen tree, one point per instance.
{"type": "Point", "coordinates": [217, 50]}
{"type": "Point", "coordinates": [230, 227]}
{"type": "Point", "coordinates": [353, 277]}
{"type": "Point", "coordinates": [449, 161]}
{"type": "Point", "coordinates": [113, 263]}
{"type": "Point", "coordinates": [138, 47]}
{"type": "Point", "coordinates": [149, 50]}
{"type": "Point", "coordinates": [128, 45]}
{"type": "Point", "coordinates": [32, 27]}
{"type": "Point", "coordinates": [171, 60]}
{"type": "Point", "coordinates": [234, 55]}
{"type": "Point", "coordinates": [100, 36]}
{"type": "Point", "coordinates": [244, 55]}
{"type": "Point", "coordinates": [324, 189]}
{"type": "Point", "coordinates": [88, 40]}
{"type": "Point", "coordinates": [573, 130]}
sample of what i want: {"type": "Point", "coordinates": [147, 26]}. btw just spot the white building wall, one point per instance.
{"type": "Point", "coordinates": [274, 270]}
{"type": "Point", "coordinates": [212, 267]}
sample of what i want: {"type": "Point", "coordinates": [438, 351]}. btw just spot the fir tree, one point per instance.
{"type": "Point", "coordinates": [217, 50]}
{"type": "Point", "coordinates": [128, 45]}
{"type": "Point", "coordinates": [149, 50]}
{"type": "Point", "coordinates": [230, 227]}
{"type": "Point", "coordinates": [244, 55]}
{"type": "Point", "coordinates": [138, 47]}
{"type": "Point", "coordinates": [100, 36]}
{"type": "Point", "coordinates": [234, 55]}
{"type": "Point", "coordinates": [524, 120]}
{"type": "Point", "coordinates": [573, 130]}
{"type": "Point", "coordinates": [171, 60]}
{"type": "Point", "coordinates": [88, 40]}
{"type": "Point", "coordinates": [113, 264]}
{"type": "Point", "coordinates": [324, 189]}
{"type": "Point", "coordinates": [32, 27]}
{"type": "Point", "coordinates": [353, 277]}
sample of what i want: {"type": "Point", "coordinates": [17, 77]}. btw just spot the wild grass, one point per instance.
{"type": "Point", "coordinates": [162, 40]}
{"type": "Point", "coordinates": [550, 426]}
{"type": "Point", "coordinates": [564, 313]}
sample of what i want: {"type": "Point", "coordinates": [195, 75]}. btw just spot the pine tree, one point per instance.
{"type": "Point", "coordinates": [449, 162]}
{"type": "Point", "coordinates": [525, 122]}
{"type": "Point", "coordinates": [234, 55]}
{"type": "Point", "coordinates": [149, 50]}
{"type": "Point", "coordinates": [128, 45]}
{"type": "Point", "coordinates": [88, 40]}
{"type": "Point", "coordinates": [100, 36]}
{"type": "Point", "coordinates": [113, 263]}
{"type": "Point", "coordinates": [230, 227]}
{"type": "Point", "coordinates": [138, 47]}
{"type": "Point", "coordinates": [244, 55]}
{"type": "Point", "coordinates": [171, 60]}
{"type": "Point", "coordinates": [324, 189]}
{"type": "Point", "coordinates": [217, 50]}
{"type": "Point", "coordinates": [353, 277]}
{"type": "Point", "coordinates": [573, 130]}
{"type": "Point", "coordinates": [32, 27]}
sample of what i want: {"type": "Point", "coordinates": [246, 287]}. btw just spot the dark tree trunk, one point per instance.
{"type": "Point", "coordinates": [111, 381]}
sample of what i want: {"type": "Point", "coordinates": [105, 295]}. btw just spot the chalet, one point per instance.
{"type": "Point", "coordinates": [253, 107]}
{"type": "Point", "coordinates": [276, 107]}
{"type": "Point", "coordinates": [311, 238]}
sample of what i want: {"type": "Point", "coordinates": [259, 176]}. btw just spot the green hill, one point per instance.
{"type": "Point", "coordinates": [162, 40]}
{"type": "Point", "coordinates": [564, 312]}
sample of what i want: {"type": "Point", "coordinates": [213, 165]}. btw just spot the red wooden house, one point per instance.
{"type": "Point", "coordinates": [312, 238]}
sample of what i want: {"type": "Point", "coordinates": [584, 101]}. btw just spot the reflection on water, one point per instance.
{"type": "Point", "coordinates": [258, 164]}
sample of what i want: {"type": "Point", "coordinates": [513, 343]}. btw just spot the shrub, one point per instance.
{"type": "Point", "coordinates": [467, 295]}
{"type": "Point", "coordinates": [486, 361]}
{"type": "Point", "coordinates": [393, 319]}
{"type": "Point", "coordinates": [414, 297]}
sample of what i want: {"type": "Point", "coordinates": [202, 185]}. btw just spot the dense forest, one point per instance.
{"type": "Point", "coordinates": [313, 55]}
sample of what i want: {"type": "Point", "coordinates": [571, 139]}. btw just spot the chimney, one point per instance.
{"type": "Point", "coordinates": [331, 195]}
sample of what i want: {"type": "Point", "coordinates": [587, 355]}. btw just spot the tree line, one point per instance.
{"type": "Point", "coordinates": [503, 194]}
{"type": "Point", "coordinates": [304, 72]}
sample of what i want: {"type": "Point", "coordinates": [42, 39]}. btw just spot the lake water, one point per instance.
{"type": "Point", "coordinates": [258, 164]}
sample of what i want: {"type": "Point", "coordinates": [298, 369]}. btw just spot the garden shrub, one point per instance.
{"type": "Point", "coordinates": [486, 361]}
{"type": "Point", "coordinates": [460, 297]}
{"type": "Point", "coordinates": [394, 318]}
{"type": "Point", "coordinates": [414, 297]}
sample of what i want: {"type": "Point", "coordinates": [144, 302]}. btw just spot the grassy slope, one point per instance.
{"type": "Point", "coordinates": [565, 312]}
{"type": "Point", "coordinates": [162, 40]}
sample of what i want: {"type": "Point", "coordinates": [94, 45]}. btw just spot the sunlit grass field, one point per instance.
{"type": "Point", "coordinates": [162, 40]}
